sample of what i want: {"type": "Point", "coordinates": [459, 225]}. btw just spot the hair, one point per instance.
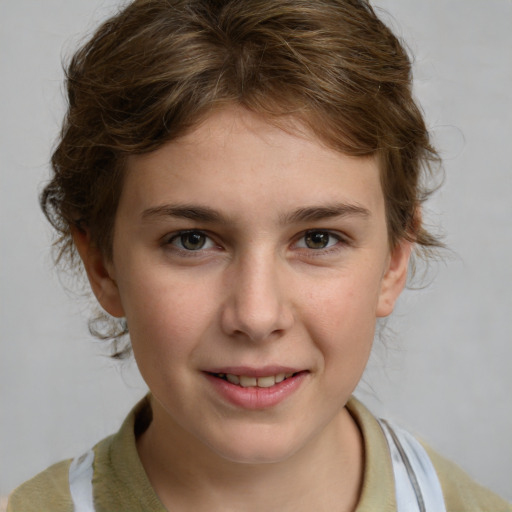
{"type": "Point", "coordinates": [158, 67]}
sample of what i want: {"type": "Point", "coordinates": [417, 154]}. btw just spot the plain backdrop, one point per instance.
{"type": "Point", "coordinates": [443, 368]}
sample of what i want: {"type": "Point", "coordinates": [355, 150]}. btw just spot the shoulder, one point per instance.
{"type": "Point", "coordinates": [50, 489]}
{"type": "Point", "coordinates": [461, 492]}
{"type": "Point", "coordinates": [47, 491]}
{"type": "Point", "coordinates": [118, 479]}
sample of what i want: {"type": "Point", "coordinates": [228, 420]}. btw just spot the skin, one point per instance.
{"type": "Point", "coordinates": [258, 293]}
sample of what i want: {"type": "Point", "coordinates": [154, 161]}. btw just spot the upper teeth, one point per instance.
{"type": "Point", "coordinates": [261, 382]}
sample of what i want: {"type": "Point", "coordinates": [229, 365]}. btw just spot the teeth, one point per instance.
{"type": "Point", "coordinates": [234, 379]}
{"type": "Point", "coordinates": [261, 382]}
{"type": "Point", "coordinates": [247, 382]}
{"type": "Point", "coordinates": [266, 382]}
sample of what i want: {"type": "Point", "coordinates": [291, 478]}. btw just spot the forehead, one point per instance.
{"type": "Point", "coordinates": [237, 160]}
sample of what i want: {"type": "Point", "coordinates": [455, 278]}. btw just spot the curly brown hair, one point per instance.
{"type": "Point", "coordinates": [158, 67]}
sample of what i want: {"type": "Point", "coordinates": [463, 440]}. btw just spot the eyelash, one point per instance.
{"type": "Point", "coordinates": [336, 241]}
{"type": "Point", "coordinates": [340, 241]}
{"type": "Point", "coordinates": [169, 241]}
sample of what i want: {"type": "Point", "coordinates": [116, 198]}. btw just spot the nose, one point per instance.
{"type": "Point", "coordinates": [256, 307]}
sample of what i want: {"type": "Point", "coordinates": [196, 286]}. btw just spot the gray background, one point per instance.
{"type": "Point", "coordinates": [444, 373]}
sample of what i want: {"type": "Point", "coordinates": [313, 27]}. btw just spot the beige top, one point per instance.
{"type": "Point", "coordinates": [120, 482]}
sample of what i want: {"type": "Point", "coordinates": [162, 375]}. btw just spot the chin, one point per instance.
{"type": "Point", "coordinates": [256, 448]}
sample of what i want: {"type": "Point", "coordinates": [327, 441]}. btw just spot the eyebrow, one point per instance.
{"type": "Point", "coordinates": [186, 211]}
{"type": "Point", "coordinates": [209, 215]}
{"type": "Point", "coordinates": [316, 213]}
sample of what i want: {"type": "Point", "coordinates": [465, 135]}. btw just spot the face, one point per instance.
{"type": "Point", "coordinates": [251, 264]}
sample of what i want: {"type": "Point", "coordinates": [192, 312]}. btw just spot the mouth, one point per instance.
{"type": "Point", "coordinates": [256, 388]}
{"type": "Point", "coordinates": [246, 381]}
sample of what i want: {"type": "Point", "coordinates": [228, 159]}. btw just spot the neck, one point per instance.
{"type": "Point", "coordinates": [324, 475]}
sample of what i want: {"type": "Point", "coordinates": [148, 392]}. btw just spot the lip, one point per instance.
{"type": "Point", "coordinates": [256, 398]}
{"type": "Point", "coordinates": [254, 372]}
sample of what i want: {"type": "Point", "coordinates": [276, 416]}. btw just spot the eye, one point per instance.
{"type": "Point", "coordinates": [191, 241]}
{"type": "Point", "coordinates": [318, 240]}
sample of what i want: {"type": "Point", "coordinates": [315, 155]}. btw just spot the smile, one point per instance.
{"type": "Point", "coordinates": [252, 389]}
{"type": "Point", "coordinates": [246, 381]}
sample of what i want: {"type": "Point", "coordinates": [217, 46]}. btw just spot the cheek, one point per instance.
{"type": "Point", "coordinates": [344, 297]}
{"type": "Point", "coordinates": [165, 314]}
{"type": "Point", "coordinates": [341, 317]}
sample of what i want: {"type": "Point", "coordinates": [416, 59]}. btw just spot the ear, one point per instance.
{"type": "Point", "coordinates": [394, 279]}
{"type": "Point", "coordinates": [99, 272]}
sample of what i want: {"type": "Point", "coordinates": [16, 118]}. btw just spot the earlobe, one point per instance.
{"type": "Point", "coordinates": [99, 274]}
{"type": "Point", "coordinates": [394, 279]}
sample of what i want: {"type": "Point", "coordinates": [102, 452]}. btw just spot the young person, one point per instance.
{"type": "Point", "coordinates": [242, 183]}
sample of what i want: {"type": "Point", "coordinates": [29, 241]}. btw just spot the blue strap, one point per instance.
{"type": "Point", "coordinates": [416, 483]}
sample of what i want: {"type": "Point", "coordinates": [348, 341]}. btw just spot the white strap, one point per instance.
{"type": "Point", "coordinates": [416, 483]}
{"type": "Point", "coordinates": [80, 482]}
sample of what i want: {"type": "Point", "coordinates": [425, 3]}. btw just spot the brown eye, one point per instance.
{"type": "Point", "coordinates": [318, 239]}
{"type": "Point", "coordinates": [191, 240]}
